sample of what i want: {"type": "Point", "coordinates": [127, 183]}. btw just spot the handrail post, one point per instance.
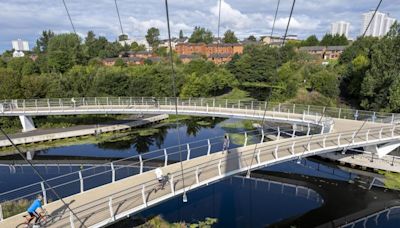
{"type": "Point", "coordinates": [324, 142]}
{"type": "Point", "coordinates": [141, 163]}
{"type": "Point", "coordinates": [380, 133]}
{"type": "Point", "coordinates": [322, 129]}
{"type": "Point", "coordinates": [81, 181]}
{"type": "Point", "coordinates": [258, 156]}
{"type": "Point", "coordinates": [245, 139]}
{"type": "Point", "coordinates": [207, 107]}
{"type": "Point", "coordinates": [144, 195]}
{"type": "Point", "coordinates": [112, 172]}
{"type": "Point", "coordinates": [294, 108]}
{"type": "Point", "coordinates": [262, 134]}
{"type": "Point", "coordinates": [1, 213]}
{"type": "Point", "coordinates": [338, 139]}
{"type": "Point", "coordinates": [308, 129]}
{"type": "Point", "coordinates": [172, 185]}
{"type": "Point", "coordinates": [188, 152]}
{"type": "Point", "coordinates": [197, 175]}
{"type": "Point", "coordinates": [394, 127]}
{"type": "Point", "coordinates": [219, 167]}
{"type": "Point", "coordinates": [366, 135]}
{"type": "Point", "coordinates": [292, 150]}
{"type": "Point", "coordinates": [294, 133]}
{"type": "Point", "coordinates": [71, 220]}
{"type": "Point", "coordinates": [353, 136]}
{"type": "Point", "coordinates": [209, 147]}
{"type": "Point", "coordinates": [279, 107]}
{"type": "Point", "coordinates": [309, 147]}
{"type": "Point", "coordinates": [373, 117]}
{"type": "Point", "coordinates": [251, 105]}
{"type": "Point", "coordinates": [340, 111]}
{"type": "Point", "coordinates": [111, 209]}
{"type": "Point", "coordinates": [226, 103]}
{"type": "Point", "coordinates": [165, 157]}
{"type": "Point", "coordinates": [279, 133]}
{"type": "Point", "coordinates": [392, 118]}
{"type": "Point", "coordinates": [276, 151]}
{"type": "Point", "coordinates": [43, 193]}
{"type": "Point", "coordinates": [308, 110]}
{"type": "Point", "coordinates": [304, 115]}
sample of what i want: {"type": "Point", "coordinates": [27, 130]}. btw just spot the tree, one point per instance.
{"type": "Point", "coordinates": [152, 37]}
{"type": "Point", "coordinates": [334, 40]}
{"type": "Point", "coordinates": [181, 34]}
{"type": "Point", "coordinates": [137, 47]}
{"type": "Point", "coordinates": [229, 37]}
{"type": "Point", "coordinates": [43, 41]}
{"type": "Point", "coordinates": [65, 51]}
{"type": "Point", "coordinates": [120, 63]}
{"type": "Point", "coordinates": [201, 35]}
{"type": "Point", "coordinates": [252, 38]}
{"type": "Point", "coordinates": [311, 41]}
{"type": "Point", "coordinates": [326, 82]}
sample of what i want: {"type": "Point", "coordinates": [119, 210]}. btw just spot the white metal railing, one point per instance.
{"type": "Point", "coordinates": [301, 146]}
{"type": "Point", "coordinates": [30, 106]}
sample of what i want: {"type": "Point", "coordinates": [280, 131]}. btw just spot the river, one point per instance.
{"type": "Point", "coordinates": [268, 198]}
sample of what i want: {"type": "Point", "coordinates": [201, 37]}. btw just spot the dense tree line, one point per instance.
{"type": "Point", "coordinates": [367, 73]}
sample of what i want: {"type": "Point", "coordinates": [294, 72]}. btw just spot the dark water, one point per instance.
{"type": "Point", "coordinates": [235, 202]}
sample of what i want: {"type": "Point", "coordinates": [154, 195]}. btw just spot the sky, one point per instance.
{"type": "Point", "coordinates": [26, 19]}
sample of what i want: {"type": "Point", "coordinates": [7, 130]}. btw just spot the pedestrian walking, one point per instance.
{"type": "Point", "coordinates": [226, 144]}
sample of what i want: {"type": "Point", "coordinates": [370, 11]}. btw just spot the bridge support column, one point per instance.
{"type": "Point", "coordinates": [30, 155]}
{"type": "Point", "coordinates": [383, 150]}
{"type": "Point", "coordinates": [27, 123]}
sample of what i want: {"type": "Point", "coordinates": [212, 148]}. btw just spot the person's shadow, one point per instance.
{"type": "Point", "coordinates": [57, 214]}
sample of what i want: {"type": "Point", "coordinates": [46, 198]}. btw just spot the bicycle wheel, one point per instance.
{"type": "Point", "coordinates": [45, 219]}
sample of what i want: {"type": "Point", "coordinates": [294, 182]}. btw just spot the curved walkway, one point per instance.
{"type": "Point", "coordinates": [114, 201]}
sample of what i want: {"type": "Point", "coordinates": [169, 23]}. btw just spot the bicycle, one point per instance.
{"type": "Point", "coordinates": [162, 182]}
{"type": "Point", "coordinates": [43, 220]}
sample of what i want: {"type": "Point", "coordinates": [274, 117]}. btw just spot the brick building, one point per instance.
{"type": "Point", "coordinates": [324, 52]}
{"type": "Point", "coordinates": [218, 53]}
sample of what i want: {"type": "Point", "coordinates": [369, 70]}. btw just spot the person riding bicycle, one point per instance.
{"type": "Point", "coordinates": [32, 209]}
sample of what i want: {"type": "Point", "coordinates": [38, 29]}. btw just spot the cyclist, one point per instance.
{"type": "Point", "coordinates": [32, 209]}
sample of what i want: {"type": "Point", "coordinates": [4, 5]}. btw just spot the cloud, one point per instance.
{"type": "Point", "coordinates": [230, 17]}
{"type": "Point", "coordinates": [26, 19]}
{"type": "Point", "coordinates": [296, 23]}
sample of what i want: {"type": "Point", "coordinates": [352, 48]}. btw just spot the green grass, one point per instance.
{"type": "Point", "coordinates": [246, 125]}
{"type": "Point", "coordinates": [159, 222]}
{"type": "Point", "coordinates": [14, 208]}
{"type": "Point", "coordinates": [314, 98]}
{"type": "Point", "coordinates": [392, 180]}
{"type": "Point", "coordinates": [236, 94]}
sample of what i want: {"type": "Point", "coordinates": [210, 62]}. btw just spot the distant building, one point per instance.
{"type": "Point", "coordinates": [277, 41]}
{"type": "Point", "coordinates": [324, 53]}
{"type": "Point", "coordinates": [174, 42]}
{"type": "Point", "coordinates": [380, 25]}
{"type": "Point", "coordinates": [340, 28]}
{"type": "Point", "coordinates": [19, 47]}
{"type": "Point", "coordinates": [218, 53]}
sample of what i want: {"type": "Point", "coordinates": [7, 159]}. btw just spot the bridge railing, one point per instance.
{"type": "Point", "coordinates": [80, 184]}
{"type": "Point", "coordinates": [141, 195]}
{"type": "Point", "coordinates": [88, 178]}
{"type": "Point", "coordinates": [90, 103]}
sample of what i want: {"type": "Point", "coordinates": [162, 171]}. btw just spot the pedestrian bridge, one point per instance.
{"type": "Point", "coordinates": [119, 198]}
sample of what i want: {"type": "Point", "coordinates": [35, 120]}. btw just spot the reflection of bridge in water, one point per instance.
{"type": "Point", "coordinates": [344, 203]}
{"type": "Point", "coordinates": [119, 198]}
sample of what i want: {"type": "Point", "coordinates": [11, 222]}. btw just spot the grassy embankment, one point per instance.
{"type": "Point", "coordinates": [392, 180]}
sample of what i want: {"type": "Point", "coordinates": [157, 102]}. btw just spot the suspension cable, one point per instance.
{"type": "Point", "coordinates": [372, 18]}
{"type": "Point", "coordinates": [41, 177]}
{"type": "Point", "coordinates": [276, 13]}
{"type": "Point", "coordinates": [69, 16]}
{"type": "Point", "coordinates": [287, 27]}
{"type": "Point", "coordinates": [119, 17]}
{"type": "Point", "coordinates": [176, 98]}
{"type": "Point", "coordinates": [265, 110]}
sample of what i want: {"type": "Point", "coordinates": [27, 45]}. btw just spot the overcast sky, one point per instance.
{"type": "Point", "coordinates": [26, 19]}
